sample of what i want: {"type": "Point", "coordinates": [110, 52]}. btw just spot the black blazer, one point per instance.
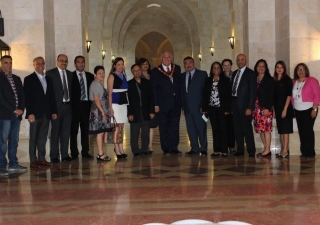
{"type": "Point", "coordinates": [265, 92]}
{"type": "Point", "coordinates": [164, 91]}
{"type": "Point", "coordinates": [57, 85]}
{"type": "Point", "coordinates": [247, 89]}
{"type": "Point", "coordinates": [7, 100]}
{"type": "Point", "coordinates": [76, 90]}
{"type": "Point", "coordinates": [134, 100]}
{"type": "Point", "coordinates": [37, 102]}
{"type": "Point", "coordinates": [224, 88]}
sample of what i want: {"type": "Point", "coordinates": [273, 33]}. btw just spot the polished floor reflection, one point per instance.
{"type": "Point", "coordinates": [163, 189]}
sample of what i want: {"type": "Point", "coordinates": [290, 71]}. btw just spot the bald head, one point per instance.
{"type": "Point", "coordinates": [166, 58]}
{"type": "Point", "coordinates": [241, 60]}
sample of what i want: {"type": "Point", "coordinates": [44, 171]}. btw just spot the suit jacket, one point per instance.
{"type": "Point", "coordinates": [224, 88]}
{"type": "Point", "coordinates": [165, 92]}
{"type": "Point", "coordinates": [76, 90]}
{"type": "Point", "coordinates": [192, 100]}
{"type": "Point", "coordinates": [7, 100]}
{"type": "Point", "coordinates": [134, 100]}
{"type": "Point", "coordinates": [58, 87]}
{"type": "Point", "coordinates": [265, 92]}
{"type": "Point", "coordinates": [38, 103]}
{"type": "Point", "coordinates": [247, 89]}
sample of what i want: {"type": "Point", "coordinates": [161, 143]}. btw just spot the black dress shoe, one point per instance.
{"type": "Point", "coordinates": [176, 152]}
{"type": "Point", "coordinates": [75, 157]}
{"type": "Point", "coordinates": [147, 153]}
{"type": "Point", "coordinates": [55, 160]}
{"type": "Point", "coordinates": [191, 153]}
{"type": "Point", "coordinates": [68, 159]}
{"type": "Point", "coordinates": [136, 154]}
{"type": "Point", "coordinates": [87, 155]}
{"type": "Point", "coordinates": [204, 153]}
{"type": "Point", "coordinates": [251, 155]}
{"type": "Point", "coordinates": [167, 153]}
{"type": "Point", "coordinates": [215, 154]}
{"type": "Point", "coordinates": [238, 154]}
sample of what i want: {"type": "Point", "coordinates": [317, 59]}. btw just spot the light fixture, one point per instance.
{"type": "Point", "coordinates": [212, 50]}
{"type": "Point", "coordinates": [4, 49]}
{"type": "Point", "coordinates": [231, 41]}
{"type": "Point", "coordinates": [200, 56]}
{"type": "Point", "coordinates": [103, 54]}
{"type": "Point", "coordinates": [88, 46]}
{"type": "Point", "coordinates": [113, 58]}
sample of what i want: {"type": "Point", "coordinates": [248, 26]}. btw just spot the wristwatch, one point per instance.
{"type": "Point", "coordinates": [315, 109]}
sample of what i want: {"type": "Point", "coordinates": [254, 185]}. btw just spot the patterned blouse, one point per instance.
{"type": "Point", "coordinates": [214, 97]}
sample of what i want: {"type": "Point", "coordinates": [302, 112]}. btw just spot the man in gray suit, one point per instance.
{"type": "Point", "coordinates": [191, 89]}
{"type": "Point", "coordinates": [60, 131]}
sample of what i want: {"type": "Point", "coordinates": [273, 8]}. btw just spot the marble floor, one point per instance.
{"type": "Point", "coordinates": [163, 189]}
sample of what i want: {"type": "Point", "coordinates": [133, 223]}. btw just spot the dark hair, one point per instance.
{"type": "Point", "coordinates": [266, 65]}
{"type": "Point", "coordinates": [188, 57]}
{"type": "Point", "coordinates": [77, 57]}
{"type": "Point", "coordinates": [221, 71]}
{"type": "Point", "coordinates": [136, 64]}
{"type": "Point", "coordinates": [284, 75]}
{"type": "Point", "coordinates": [227, 60]}
{"type": "Point", "coordinates": [97, 68]}
{"type": "Point", "coordinates": [61, 55]}
{"type": "Point", "coordinates": [142, 61]}
{"type": "Point", "coordinates": [6, 57]}
{"type": "Point", "coordinates": [295, 75]}
{"type": "Point", "coordinates": [116, 60]}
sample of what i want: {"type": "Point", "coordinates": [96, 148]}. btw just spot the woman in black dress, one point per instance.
{"type": "Point", "coordinates": [283, 107]}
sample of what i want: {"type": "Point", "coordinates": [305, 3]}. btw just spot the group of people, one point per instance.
{"type": "Point", "coordinates": [157, 97]}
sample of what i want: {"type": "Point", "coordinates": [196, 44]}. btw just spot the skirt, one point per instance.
{"type": "Point", "coordinates": [120, 113]}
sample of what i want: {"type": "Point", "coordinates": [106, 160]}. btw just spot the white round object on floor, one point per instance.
{"type": "Point", "coordinates": [193, 222]}
{"type": "Point", "coordinates": [233, 223]}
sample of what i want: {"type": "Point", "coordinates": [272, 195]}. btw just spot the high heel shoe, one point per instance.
{"type": "Point", "coordinates": [259, 155]}
{"type": "Point", "coordinates": [118, 156]}
{"type": "Point", "coordinates": [99, 158]}
{"type": "Point", "coordinates": [283, 156]}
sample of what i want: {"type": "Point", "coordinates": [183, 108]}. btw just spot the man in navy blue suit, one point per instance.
{"type": "Point", "coordinates": [166, 84]}
{"type": "Point", "coordinates": [192, 90]}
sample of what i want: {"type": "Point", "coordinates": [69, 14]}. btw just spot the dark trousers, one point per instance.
{"type": "Point", "coordinates": [219, 129]}
{"type": "Point", "coordinates": [60, 132]}
{"type": "Point", "coordinates": [197, 131]}
{"type": "Point", "coordinates": [306, 133]}
{"type": "Point", "coordinates": [38, 139]}
{"type": "Point", "coordinates": [169, 128]}
{"type": "Point", "coordinates": [243, 128]}
{"type": "Point", "coordinates": [230, 128]}
{"type": "Point", "coordinates": [81, 117]}
{"type": "Point", "coordinates": [134, 135]}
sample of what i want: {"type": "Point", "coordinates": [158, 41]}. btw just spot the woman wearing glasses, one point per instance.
{"type": "Point", "coordinates": [305, 98]}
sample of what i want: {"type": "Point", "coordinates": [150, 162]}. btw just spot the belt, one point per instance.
{"type": "Point", "coordinates": [65, 103]}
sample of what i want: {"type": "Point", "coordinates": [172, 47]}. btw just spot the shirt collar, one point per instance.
{"type": "Point", "coordinates": [40, 75]}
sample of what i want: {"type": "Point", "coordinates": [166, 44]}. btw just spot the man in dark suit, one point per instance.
{"type": "Point", "coordinates": [140, 111]}
{"type": "Point", "coordinates": [60, 128]}
{"type": "Point", "coordinates": [12, 103]}
{"type": "Point", "coordinates": [40, 109]}
{"type": "Point", "coordinates": [192, 90]}
{"type": "Point", "coordinates": [166, 85]}
{"type": "Point", "coordinates": [80, 108]}
{"type": "Point", "coordinates": [243, 99]}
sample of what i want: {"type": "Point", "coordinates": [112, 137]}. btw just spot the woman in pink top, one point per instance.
{"type": "Point", "coordinates": [305, 99]}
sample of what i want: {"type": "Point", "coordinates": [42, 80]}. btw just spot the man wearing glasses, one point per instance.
{"type": "Point", "coordinates": [60, 128]}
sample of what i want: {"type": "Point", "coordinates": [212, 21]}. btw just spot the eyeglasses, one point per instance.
{"type": "Point", "coordinates": [301, 69]}
{"type": "Point", "coordinates": [63, 61]}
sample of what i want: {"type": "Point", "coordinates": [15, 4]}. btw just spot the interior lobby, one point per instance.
{"type": "Point", "coordinates": [158, 188]}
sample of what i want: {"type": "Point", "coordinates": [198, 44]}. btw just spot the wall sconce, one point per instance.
{"type": "Point", "coordinates": [4, 49]}
{"type": "Point", "coordinates": [88, 46]}
{"type": "Point", "coordinates": [231, 41]}
{"type": "Point", "coordinates": [103, 54]}
{"type": "Point", "coordinates": [200, 56]}
{"type": "Point", "coordinates": [212, 50]}
{"type": "Point", "coordinates": [113, 58]}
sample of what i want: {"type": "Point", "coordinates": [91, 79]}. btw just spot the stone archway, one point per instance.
{"type": "Point", "coordinates": [151, 45]}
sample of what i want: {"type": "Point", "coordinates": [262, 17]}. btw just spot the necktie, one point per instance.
{"type": "Point", "coordinates": [83, 89]}
{"type": "Point", "coordinates": [189, 80]}
{"type": "Point", "coordinates": [235, 83]}
{"type": "Point", "coordinates": [65, 89]}
{"type": "Point", "coordinates": [168, 70]}
{"type": "Point", "coordinates": [44, 84]}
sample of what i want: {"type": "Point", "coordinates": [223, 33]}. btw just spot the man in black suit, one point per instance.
{"type": "Point", "coordinates": [166, 85]}
{"type": "Point", "coordinates": [80, 108]}
{"type": "Point", "coordinates": [243, 99]}
{"type": "Point", "coordinates": [40, 109]}
{"type": "Point", "coordinates": [60, 128]}
{"type": "Point", "coordinates": [192, 90]}
{"type": "Point", "coordinates": [12, 103]}
{"type": "Point", "coordinates": [140, 111]}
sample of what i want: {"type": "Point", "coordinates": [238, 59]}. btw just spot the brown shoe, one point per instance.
{"type": "Point", "coordinates": [44, 163]}
{"type": "Point", "coordinates": [35, 165]}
